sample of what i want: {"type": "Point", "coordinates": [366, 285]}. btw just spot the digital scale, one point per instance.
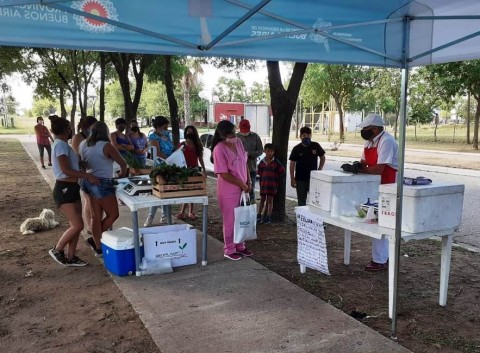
{"type": "Point", "coordinates": [138, 185]}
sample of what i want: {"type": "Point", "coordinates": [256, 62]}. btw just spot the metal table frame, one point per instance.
{"type": "Point", "coordinates": [358, 225]}
{"type": "Point", "coordinates": [134, 203]}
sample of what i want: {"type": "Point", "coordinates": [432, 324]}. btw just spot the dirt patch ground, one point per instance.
{"type": "Point", "coordinates": [423, 325]}
{"type": "Point", "coordinates": [46, 308]}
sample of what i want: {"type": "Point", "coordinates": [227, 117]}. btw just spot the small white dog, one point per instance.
{"type": "Point", "coordinates": [45, 221]}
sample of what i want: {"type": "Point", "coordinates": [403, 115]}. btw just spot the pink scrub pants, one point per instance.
{"type": "Point", "coordinates": [227, 203]}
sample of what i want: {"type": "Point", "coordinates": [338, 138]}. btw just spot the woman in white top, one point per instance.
{"type": "Point", "coordinates": [99, 154]}
{"type": "Point", "coordinates": [66, 193]}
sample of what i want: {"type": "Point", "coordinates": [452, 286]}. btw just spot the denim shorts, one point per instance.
{"type": "Point", "coordinates": [104, 189]}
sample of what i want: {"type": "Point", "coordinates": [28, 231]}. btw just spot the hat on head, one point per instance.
{"type": "Point", "coordinates": [371, 120]}
{"type": "Point", "coordinates": [244, 126]}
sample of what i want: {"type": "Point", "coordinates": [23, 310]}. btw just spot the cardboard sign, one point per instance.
{"type": "Point", "coordinates": [312, 247]}
{"type": "Point", "coordinates": [176, 242]}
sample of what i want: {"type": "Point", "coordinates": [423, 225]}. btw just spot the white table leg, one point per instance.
{"type": "Point", "coordinates": [303, 268]}
{"type": "Point", "coordinates": [445, 268]}
{"type": "Point", "coordinates": [346, 246]}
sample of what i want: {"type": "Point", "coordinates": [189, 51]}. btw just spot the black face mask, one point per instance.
{"type": "Point", "coordinates": [366, 134]}
{"type": "Point", "coordinates": [135, 129]}
{"type": "Point", "coordinates": [190, 136]}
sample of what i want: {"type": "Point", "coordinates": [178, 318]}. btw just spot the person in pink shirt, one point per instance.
{"type": "Point", "coordinates": [230, 166]}
{"type": "Point", "coordinates": [43, 141]}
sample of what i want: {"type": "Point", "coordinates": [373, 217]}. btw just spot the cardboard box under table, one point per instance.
{"type": "Point", "coordinates": [338, 192]}
{"type": "Point", "coordinates": [177, 242]}
{"type": "Point", "coordinates": [118, 251]}
{"type": "Point", "coordinates": [425, 208]}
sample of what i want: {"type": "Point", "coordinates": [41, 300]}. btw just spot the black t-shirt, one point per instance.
{"type": "Point", "coordinates": [306, 159]}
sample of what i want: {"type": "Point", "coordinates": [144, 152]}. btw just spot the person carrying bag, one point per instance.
{"type": "Point", "coordinates": [245, 227]}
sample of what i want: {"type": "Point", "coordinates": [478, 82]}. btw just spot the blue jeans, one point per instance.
{"type": "Point", "coordinates": [153, 211]}
{"type": "Point", "coordinates": [104, 189]}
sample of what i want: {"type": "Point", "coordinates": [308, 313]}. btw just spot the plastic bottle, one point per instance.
{"type": "Point", "coordinates": [370, 215]}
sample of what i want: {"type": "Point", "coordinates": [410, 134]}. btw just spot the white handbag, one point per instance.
{"type": "Point", "coordinates": [245, 226]}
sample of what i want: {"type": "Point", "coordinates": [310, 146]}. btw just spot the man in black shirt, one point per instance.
{"type": "Point", "coordinates": [304, 159]}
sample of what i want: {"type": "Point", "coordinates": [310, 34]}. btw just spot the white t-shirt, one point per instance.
{"type": "Point", "coordinates": [61, 148]}
{"type": "Point", "coordinates": [387, 149]}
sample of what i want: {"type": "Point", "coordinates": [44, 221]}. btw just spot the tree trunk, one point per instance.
{"type": "Point", "coordinates": [172, 101]}
{"type": "Point", "coordinates": [74, 107]}
{"type": "Point", "coordinates": [283, 105]}
{"type": "Point", "coordinates": [186, 105]}
{"type": "Point", "coordinates": [468, 118]}
{"type": "Point", "coordinates": [103, 66]}
{"type": "Point", "coordinates": [476, 123]}
{"type": "Point", "coordinates": [63, 109]}
{"type": "Point", "coordinates": [338, 103]}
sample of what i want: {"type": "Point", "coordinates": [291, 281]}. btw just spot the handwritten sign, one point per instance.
{"type": "Point", "coordinates": [312, 247]}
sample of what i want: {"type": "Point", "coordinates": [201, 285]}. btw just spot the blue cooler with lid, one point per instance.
{"type": "Point", "coordinates": [119, 251]}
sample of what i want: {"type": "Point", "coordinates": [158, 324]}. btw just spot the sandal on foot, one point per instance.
{"type": "Point", "coordinates": [192, 216]}
{"type": "Point", "coordinates": [180, 216]}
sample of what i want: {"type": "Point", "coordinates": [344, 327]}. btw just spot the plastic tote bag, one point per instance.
{"type": "Point", "coordinates": [177, 158]}
{"type": "Point", "coordinates": [245, 227]}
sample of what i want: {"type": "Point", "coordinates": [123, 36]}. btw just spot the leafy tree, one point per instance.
{"type": "Point", "coordinates": [338, 81]}
{"type": "Point", "coordinates": [458, 78]}
{"type": "Point", "coordinates": [189, 81]}
{"type": "Point", "coordinates": [127, 66]}
{"type": "Point", "coordinates": [231, 90]}
{"type": "Point", "coordinates": [44, 106]}
{"type": "Point", "coordinates": [259, 93]}
{"type": "Point", "coordinates": [283, 103]}
{"type": "Point", "coordinates": [12, 59]}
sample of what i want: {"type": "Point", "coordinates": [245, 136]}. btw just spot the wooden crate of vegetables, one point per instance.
{"type": "Point", "coordinates": [171, 181]}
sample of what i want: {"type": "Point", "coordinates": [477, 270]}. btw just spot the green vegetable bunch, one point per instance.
{"type": "Point", "coordinates": [133, 162]}
{"type": "Point", "coordinates": [173, 173]}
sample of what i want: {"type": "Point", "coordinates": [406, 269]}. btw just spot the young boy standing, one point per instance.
{"type": "Point", "coordinates": [269, 170]}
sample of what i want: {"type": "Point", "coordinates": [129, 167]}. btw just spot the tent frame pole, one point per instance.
{"type": "Point", "coordinates": [400, 172]}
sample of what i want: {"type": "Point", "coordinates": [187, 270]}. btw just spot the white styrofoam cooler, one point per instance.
{"type": "Point", "coordinates": [426, 208]}
{"type": "Point", "coordinates": [338, 192]}
{"type": "Point", "coordinates": [177, 242]}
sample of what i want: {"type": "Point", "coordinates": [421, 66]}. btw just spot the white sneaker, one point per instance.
{"type": "Point", "coordinates": [148, 222]}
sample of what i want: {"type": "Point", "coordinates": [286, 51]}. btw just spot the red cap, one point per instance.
{"type": "Point", "coordinates": [244, 126]}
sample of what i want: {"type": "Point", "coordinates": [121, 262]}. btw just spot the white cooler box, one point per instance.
{"type": "Point", "coordinates": [426, 208]}
{"type": "Point", "coordinates": [177, 242]}
{"type": "Point", "coordinates": [338, 192]}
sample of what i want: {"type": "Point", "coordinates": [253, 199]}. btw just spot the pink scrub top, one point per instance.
{"type": "Point", "coordinates": [226, 161]}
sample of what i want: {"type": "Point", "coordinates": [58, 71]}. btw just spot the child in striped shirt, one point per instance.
{"type": "Point", "coordinates": [269, 170]}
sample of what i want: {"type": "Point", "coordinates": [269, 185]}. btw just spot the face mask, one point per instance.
{"type": "Point", "coordinates": [189, 136]}
{"type": "Point", "coordinates": [366, 134]}
{"type": "Point", "coordinates": [306, 141]}
{"type": "Point", "coordinates": [231, 140]}
{"type": "Point", "coordinates": [87, 131]}
{"type": "Point", "coordinates": [70, 134]}
{"type": "Point", "coordinates": [121, 129]}
{"type": "Point", "coordinates": [40, 122]}
{"type": "Point", "coordinates": [135, 129]}
{"type": "Point", "coordinates": [245, 133]}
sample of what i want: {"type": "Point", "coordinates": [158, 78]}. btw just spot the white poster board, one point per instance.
{"type": "Point", "coordinates": [312, 247]}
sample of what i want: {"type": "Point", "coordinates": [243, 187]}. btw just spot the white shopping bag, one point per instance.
{"type": "Point", "coordinates": [245, 221]}
{"type": "Point", "coordinates": [177, 158]}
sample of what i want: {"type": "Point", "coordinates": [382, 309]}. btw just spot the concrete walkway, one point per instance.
{"type": "Point", "coordinates": [236, 307]}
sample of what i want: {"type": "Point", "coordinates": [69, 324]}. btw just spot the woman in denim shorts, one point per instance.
{"type": "Point", "coordinates": [99, 154]}
{"type": "Point", "coordinates": [66, 193]}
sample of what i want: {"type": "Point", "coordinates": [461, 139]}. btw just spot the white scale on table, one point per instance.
{"type": "Point", "coordinates": [138, 185]}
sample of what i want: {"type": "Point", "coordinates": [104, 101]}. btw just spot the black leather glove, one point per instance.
{"type": "Point", "coordinates": [347, 168]}
{"type": "Point", "coordinates": [352, 168]}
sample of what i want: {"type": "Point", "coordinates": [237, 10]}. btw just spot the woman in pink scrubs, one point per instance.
{"type": "Point", "coordinates": [230, 166]}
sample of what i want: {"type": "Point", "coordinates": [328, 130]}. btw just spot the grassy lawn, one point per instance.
{"type": "Point", "coordinates": [23, 125]}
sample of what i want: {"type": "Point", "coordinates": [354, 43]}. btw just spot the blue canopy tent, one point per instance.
{"type": "Point", "coordinates": [390, 33]}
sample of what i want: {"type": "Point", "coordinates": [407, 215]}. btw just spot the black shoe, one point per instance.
{"type": "Point", "coordinates": [57, 255]}
{"type": "Point", "coordinates": [267, 220]}
{"type": "Point", "coordinates": [49, 164]}
{"type": "Point", "coordinates": [43, 167]}
{"type": "Point", "coordinates": [91, 242]}
{"type": "Point", "coordinates": [76, 262]}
